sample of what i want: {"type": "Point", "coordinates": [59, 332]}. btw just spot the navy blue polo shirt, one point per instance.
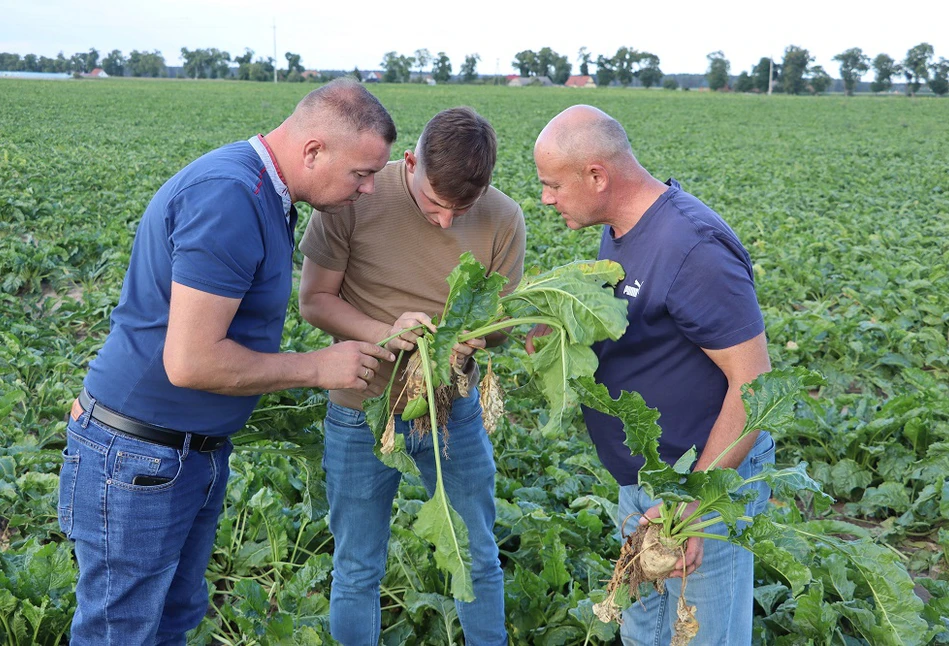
{"type": "Point", "coordinates": [689, 285]}
{"type": "Point", "coordinates": [219, 226]}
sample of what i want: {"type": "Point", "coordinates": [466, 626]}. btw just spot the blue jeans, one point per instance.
{"type": "Point", "coordinates": [361, 490]}
{"type": "Point", "coordinates": [722, 588]}
{"type": "Point", "coordinates": [142, 550]}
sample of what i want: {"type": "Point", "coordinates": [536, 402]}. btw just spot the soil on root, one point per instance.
{"type": "Point", "coordinates": [645, 559]}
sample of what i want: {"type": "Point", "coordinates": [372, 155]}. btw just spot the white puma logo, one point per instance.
{"type": "Point", "coordinates": [632, 290]}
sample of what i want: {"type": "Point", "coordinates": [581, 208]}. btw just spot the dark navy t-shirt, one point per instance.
{"type": "Point", "coordinates": [217, 226]}
{"type": "Point", "coordinates": [689, 285]}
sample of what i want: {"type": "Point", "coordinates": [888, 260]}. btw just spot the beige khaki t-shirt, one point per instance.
{"type": "Point", "coordinates": [396, 261]}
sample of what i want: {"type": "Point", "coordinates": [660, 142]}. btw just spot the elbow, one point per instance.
{"type": "Point", "coordinates": [310, 309]}
{"type": "Point", "coordinates": [180, 371]}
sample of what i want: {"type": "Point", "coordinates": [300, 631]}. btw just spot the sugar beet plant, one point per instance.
{"type": "Point", "coordinates": [575, 301]}
{"type": "Point", "coordinates": [807, 555]}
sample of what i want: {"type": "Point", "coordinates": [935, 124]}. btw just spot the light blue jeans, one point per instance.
{"type": "Point", "coordinates": [361, 489]}
{"type": "Point", "coordinates": [722, 588]}
{"type": "Point", "coordinates": [142, 550]}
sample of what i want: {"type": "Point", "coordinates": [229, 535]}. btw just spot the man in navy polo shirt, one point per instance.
{"type": "Point", "coordinates": [695, 336]}
{"type": "Point", "coordinates": [194, 341]}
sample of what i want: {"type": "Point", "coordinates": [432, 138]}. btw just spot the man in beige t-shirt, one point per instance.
{"type": "Point", "coordinates": [374, 268]}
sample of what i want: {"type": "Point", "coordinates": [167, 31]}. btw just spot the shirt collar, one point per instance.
{"type": "Point", "coordinates": [273, 170]}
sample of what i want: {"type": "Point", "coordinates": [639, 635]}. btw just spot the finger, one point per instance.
{"type": "Point", "coordinates": [374, 350]}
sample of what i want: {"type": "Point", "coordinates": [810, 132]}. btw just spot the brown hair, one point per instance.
{"type": "Point", "coordinates": [457, 151]}
{"type": "Point", "coordinates": [347, 100]}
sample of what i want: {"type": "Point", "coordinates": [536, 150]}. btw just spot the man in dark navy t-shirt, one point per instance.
{"type": "Point", "coordinates": [695, 336]}
{"type": "Point", "coordinates": [193, 343]}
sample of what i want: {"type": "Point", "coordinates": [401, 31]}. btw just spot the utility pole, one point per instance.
{"type": "Point", "coordinates": [275, 51]}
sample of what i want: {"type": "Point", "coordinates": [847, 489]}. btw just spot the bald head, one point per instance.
{"type": "Point", "coordinates": [342, 106]}
{"type": "Point", "coordinates": [584, 134]}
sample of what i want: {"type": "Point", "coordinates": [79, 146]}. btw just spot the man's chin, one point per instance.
{"type": "Point", "coordinates": [335, 208]}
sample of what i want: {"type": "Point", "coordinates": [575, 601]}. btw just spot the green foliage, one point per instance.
{"type": "Point", "coordinates": [853, 65]}
{"type": "Point", "coordinates": [846, 232]}
{"type": "Point", "coordinates": [793, 68]}
{"type": "Point", "coordinates": [717, 73]}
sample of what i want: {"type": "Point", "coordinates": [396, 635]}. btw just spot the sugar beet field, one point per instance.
{"type": "Point", "coordinates": [843, 204]}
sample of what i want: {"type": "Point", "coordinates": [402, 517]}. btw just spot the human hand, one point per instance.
{"type": "Point", "coordinates": [694, 546]}
{"type": "Point", "coordinates": [461, 351]}
{"type": "Point", "coordinates": [350, 364]}
{"type": "Point", "coordinates": [407, 336]}
{"type": "Point", "coordinates": [536, 331]}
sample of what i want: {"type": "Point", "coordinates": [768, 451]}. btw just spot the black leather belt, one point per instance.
{"type": "Point", "coordinates": [148, 432]}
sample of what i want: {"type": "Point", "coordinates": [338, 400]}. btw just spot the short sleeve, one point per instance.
{"type": "Point", "coordinates": [326, 239]}
{"type": "Point", "coordinates": [509, 255]}
{"type": "Point", "coordinates": [216, 238]}
{"type": "Point", "coordinates": [712, 298]}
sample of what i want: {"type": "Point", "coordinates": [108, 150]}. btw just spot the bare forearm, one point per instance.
{"type": "Point", "coordinates": [228, 368]}
{"type": "Point", "coordinates": [338, 318]}
{"type": "Point", "coordinates": [727, 428]}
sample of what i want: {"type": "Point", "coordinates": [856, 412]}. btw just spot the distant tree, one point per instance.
{"type": "Point", "coordinates": [77, 63]}
{"type": "Point", "coordinates": [562, 68]}
{"type": "Point", "coordinates": [441, 68]}
{"type": "Point", "coordinates": [885, 68]}
{"type": "Point", "coordinates": [205, 63]}
{"type": "Point", "coordinates": [744, 83]}
{"type": "Point", "coordinates": [356, 74]}
{"type": "Point", "coordinates": [717, 73]}
{"type": "Point", "coordinates": [422, 58]}
{"type": "Point", "coordinates": [293, 63]}
{"type": "Point", "coordinates": [545, 61]}
{"type": "Point", "coordinates": [31, 63]}
{"type": "Point", "coordinates": [469, 70]}
{"type": "Point", "coordinates": [649, 72]}
{"type": "Point", "coordinates": [91, 59]}
{"type": "Point", "coordinates": [262, 70]}
{"type": "Point", "coordinates": [796, 61]}
{"type": "Point", "coordinates": [10, 62]}
{"type": "Point", "coordinates": [150, 64]}
{"type": "Point", "coordinates": [916, 67]}
{"type": "Point", "coordinates": [583, 57]}
{"type": "Point", "coordinates": [939, 78]}
{"type": "Point", "coordinates": [524, 62]}
{"type": "Point", "coordinates": [244, 63]}
{"type": "Point", "coordinates": [605, 71]}
{"type": "Point", "coordinates": [114, 63]}
{"type": "Point", "coordinates": [61, 63]}
{"type": "Point", "coordinates": [670, 83]}
{"type": "Point", "coordinates": [398, 68]}
{"type": "Point", "coordinates": [762, 76]}
{"type": "Point", "coordinates": [819, 79]}
{"type": "Point", "coordinates": [853, 65]}
{"type": "Point", "coordinates": [625, 62]}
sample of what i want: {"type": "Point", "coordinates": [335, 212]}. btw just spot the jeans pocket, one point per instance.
{"type": "Point", "coordinates": [762, 452]}
{"type": "Point", "coordinates": [465, 409]}
{"type": "Point", "coordinates": [158, 466]}
{"type": "Point", "coordinates": [67, 490]}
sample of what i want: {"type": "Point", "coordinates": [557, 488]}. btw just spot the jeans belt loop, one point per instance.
{"type": "Point", "coordinates": [87, 414]}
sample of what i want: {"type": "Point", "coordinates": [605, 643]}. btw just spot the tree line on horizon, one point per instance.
{"type": "Point", "coordinates": [794, 74]}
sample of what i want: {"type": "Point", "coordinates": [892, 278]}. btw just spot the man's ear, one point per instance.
{"type": "Point", "coordinates": [598, 175]}
{"type": "Point", "coordinates": [311, 150]}
{"type": "Point", "coordinates": [411, 161]}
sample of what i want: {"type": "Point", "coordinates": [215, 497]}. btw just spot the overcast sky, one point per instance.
{"type": "Point", "coordinates": [342, 35]}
